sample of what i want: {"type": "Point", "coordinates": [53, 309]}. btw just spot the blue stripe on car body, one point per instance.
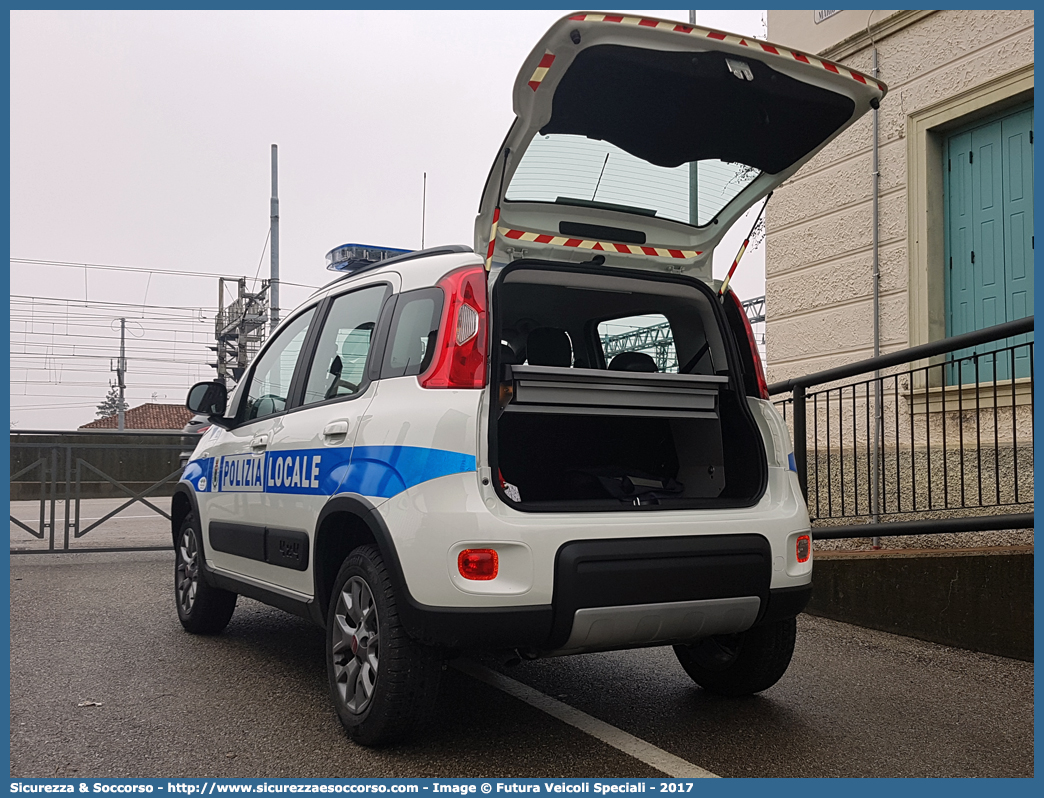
{"type": "Point", "coordinates": [383, 471]}
{"type": "Point", "coordinates": [199, 474]}
{"type": "Point", "coordinates": [388, 470]}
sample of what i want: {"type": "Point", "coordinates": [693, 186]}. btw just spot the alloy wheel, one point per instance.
{"type": "Point", "coordinates": [356, 645]}
{"type": "Point", "coordinates": [188, 572]}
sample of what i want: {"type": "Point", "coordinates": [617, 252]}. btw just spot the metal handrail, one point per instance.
{"type": "Point", "coordinates": [996, 333]}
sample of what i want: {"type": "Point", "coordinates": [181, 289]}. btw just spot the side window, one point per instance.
{"type": "Point", "coordinates": [414, 331]}
{"type": "Point", "coordinates": [642, 341]}
{"type": "Point", "coordinates": [339, 366]}
{"type": "Point", "coordinates": [270, 382]}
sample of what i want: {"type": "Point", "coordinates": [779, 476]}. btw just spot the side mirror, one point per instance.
{"type": "Point", "coordinates": [207, 398]}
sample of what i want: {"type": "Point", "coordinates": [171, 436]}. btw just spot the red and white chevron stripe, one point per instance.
{"type": "Point", "coordinates": [690, 30]}
{"type": "Point", "coordinates": [541, 71]}
{"type": "Point", "coordinates": [492, 238]}
{"type": "Point", "coordinates": [598, 246]}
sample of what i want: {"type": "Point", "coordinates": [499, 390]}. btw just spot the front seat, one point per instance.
{"type": "Point", "coordinates": [549, 346]}
{"type": "Point", "coordinates": [633, 361]}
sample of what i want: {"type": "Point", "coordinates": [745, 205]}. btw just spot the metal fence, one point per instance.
{"type": "Point", "coordinates": [934, 438]}
{"type": "Point", "coordinates": [56, 476]}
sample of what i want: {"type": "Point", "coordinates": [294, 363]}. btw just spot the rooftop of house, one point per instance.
{"type": "Point", "coordinates": [151, 415]}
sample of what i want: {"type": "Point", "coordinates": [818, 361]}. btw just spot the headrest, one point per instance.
{"type": "Point", "coordinates": [549, 346]}
{"type": "Point", "coordinates": [357, 342]}
{"type": "Point", "coordinates": [633, 361]}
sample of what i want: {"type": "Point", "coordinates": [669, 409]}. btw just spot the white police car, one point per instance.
{"type": "Point", "coordinates": [560, 442]}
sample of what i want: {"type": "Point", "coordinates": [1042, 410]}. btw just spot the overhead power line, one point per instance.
{"type": "Point", "coordinates": [102, 304]}
{"type": "Point", "coordinates": [75, 406]}
{"type": "Point", "coordinates": [143, 270]}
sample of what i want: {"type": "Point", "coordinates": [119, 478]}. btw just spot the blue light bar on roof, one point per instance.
{"type": "Point", "coordinates": [349, 257]}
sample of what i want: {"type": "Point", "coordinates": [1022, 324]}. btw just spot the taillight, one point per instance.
{"type": "Point", "coordinates": [460, 358]}
{"type": "Point", "coordinates": [804, 548]}
{"type": "Point", "coordinates": [478, 564]}
{"type": "Point", "coordinates": [759, 369]}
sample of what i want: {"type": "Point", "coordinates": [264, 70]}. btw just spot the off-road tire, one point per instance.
{"type": "Point", "coordinates": [741, 664]}
{"type": "Point", "coordinates": [401, 675]}
{"type": "Point", "coordinates": [202, 608]}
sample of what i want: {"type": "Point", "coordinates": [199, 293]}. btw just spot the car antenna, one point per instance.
{"type": "Point", "coordinates": [496, 213]}
{"type": "Point", "coordinates": [743, 248]}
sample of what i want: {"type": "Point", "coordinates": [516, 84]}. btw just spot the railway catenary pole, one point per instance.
{"type": "Point", "coordinates": [274, 285]}
{"type": "Point", "coordinates": [121, 369]}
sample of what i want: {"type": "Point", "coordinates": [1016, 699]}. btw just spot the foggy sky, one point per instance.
{"type": "Point", "coordinates": [142, 139]}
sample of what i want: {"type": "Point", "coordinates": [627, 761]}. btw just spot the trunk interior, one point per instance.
{"type": "Point", "coordinates": [618, 392]}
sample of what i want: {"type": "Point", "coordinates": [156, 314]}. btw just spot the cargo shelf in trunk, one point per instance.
{"type": "Point", "coordinates": [550, 389]}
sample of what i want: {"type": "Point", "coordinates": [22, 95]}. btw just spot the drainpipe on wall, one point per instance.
{"type": "Point", "coordinates": [878, 413]}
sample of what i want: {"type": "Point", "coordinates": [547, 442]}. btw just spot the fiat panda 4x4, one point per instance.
{"type": "Point", "coordinates": [559, 441]}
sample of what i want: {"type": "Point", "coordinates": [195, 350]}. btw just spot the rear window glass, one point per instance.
{"type": "Point", "coordinates": [414, 331]}
{"type": "Point", "coordinates": [570, 318]}
{"type": "Point", "coordinates": [650, 335]}
{"type": "Point", "coordinates": [574, 170]}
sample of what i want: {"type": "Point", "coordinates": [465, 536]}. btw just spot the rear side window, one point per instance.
{"type": "Point", "coordinates": [414, 331]}
{"type": "Point", "coordinates": [650, 335]}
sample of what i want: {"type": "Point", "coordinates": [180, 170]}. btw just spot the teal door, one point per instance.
{"type": "Point", "coordinates": [988, 189]}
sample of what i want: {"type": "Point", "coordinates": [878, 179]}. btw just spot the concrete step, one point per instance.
{"type": "Point", "coordinates": [979, 599]}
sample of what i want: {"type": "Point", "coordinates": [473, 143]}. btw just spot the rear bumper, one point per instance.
{"type": "Point", "coordinates": [683, 581]}
{"type": "Point", "coordinates": [627, 593]}
{"type": "Point", "coordinates": [552, 565]}
{"type": "Point", "coordinates": [428, 525]}
{"type": "Point", "coordinates": [530, 628]}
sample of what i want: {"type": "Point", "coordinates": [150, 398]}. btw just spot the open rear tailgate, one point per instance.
{"type": "Point", "coordinates": [643, 140]}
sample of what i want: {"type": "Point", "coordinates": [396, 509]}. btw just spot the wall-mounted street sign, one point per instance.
{"type": "Point", "coordinates": [819, 16]}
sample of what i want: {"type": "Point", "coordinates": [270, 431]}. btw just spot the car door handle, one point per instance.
{"type": "Point", "coordinates": [259, 442]}
{"type": "Point", "coordinates": [335, 429]}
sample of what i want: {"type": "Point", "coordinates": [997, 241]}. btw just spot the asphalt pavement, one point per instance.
{"type": "Point", "coordinates": [104, 682]}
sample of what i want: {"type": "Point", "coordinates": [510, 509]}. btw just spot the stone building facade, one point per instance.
{"type": "Point", "coordinates": [960, 91]}
{"type": "Point", "coordinates": [944, 70]}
